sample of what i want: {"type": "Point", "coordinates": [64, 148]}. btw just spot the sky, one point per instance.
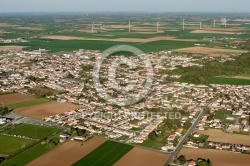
{"type": "Point", "coordinates": [125, 5]}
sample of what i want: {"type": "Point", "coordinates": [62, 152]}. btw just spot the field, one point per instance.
{"type": "Point", "coordinates": [106, 155]}
{"type": "Point", "coordinates": [11, 48]}
{"type": "Point", "coordinates": [10, 145]}
{"type": "Point", "coordinates": [29, 103]}
{"type": "Point", "coordinates": [33, 131]}
{"type": "Point", "coordinates": [211, 32]}
{"type": "Point", "coordinates": [27, 156]}
{"type": "Point", "coordinates": [67, 153]}
{"type": "Point", "coordinates": [206, 50]}
{"type": "Point", "coordinates": [15, 98]}
{"type": "Point", "coordinates": [218, 158]}
{"type": "Point", "coordinates": [159, 38]}
{"type": "Point", "coordinates": [45, 110]}
{"type": "Point", "coordinates": [142, 157]}
{"type": "Point", "coordinates": [219, 136]}
{"type": "Point", "coordinates": [230, 81]}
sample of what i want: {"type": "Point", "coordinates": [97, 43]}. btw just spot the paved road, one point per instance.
{"type": "Point", "coordinates": [186, 136]}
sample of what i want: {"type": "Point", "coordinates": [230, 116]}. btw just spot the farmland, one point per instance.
{"type": "Point", "coordinates": [142, 157]}
{"type": "Point", "coordinates": [10, 145]}
{"type": "Point", "coordinates": [29, 103]}
{"type": "Point", "coordinates": [33, 131]}
{"type": "Point", "coordinates": [15, 98]}
{"type": "Point", "coordinates": [45, 110]}
{"type": "Point", "coordinates": [219, 136]}
{"type": "Point", "coordinates": [107, 154]}
{"type": "Point", "coordinates": [70, 152]}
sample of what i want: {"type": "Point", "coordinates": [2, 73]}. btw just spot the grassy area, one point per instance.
{"type": "Point", "coordinates": [152, 144]}
{"type": "Point", "coordinates": [107, 154]}
{"type": "Point", "coordinates": [222, 114]}
{"type": "Point", "coordinates": [29, 103]}
{"type": "Point", "coordinates": [135, 129]}
{"type": "Point", "coordinates": [230, 81]}
{"type": "Point", "coordinates": [10, 145]}
{"type": "Point", "coordinates": [33, 131]}
{"type": "Point", "coordinates": [124, 137]}
{"type": "Point", "coordinates": [27, 156]}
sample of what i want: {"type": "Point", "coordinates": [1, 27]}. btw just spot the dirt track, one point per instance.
{"type": "Point", "coordinates": [45, 110]}
{"type": "Point", "coordinates": [15, 98]}
{"type": "Point", "coordinates": [218, 158]}
{"type": "Point", "coordinates": [142, 157]}
{"type": "Point", "coordinates": [68, 153]}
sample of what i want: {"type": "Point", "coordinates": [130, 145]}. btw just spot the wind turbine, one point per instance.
{"type": "Point", "coordinates": [200, 24]}
{"type": "Point", "coordinates": [183, 24]}
{"type": "Point", "coordinates": [93, 27]}
{"type": "Point", "coordinates": [157, 25]}
{"type": "Point", "coordinates": [129, 27]}
{"type": "Point", "coordinates": [214, 23]}
{"type": "Point", "coordinates": [224, 21]}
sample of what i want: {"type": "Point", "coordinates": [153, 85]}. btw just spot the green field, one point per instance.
{"type": "Point", "coordinates": [10, 145]}
{"type": "Point", "coordinates": [27, 156]}
{"type": "Point", "coordinates": [222, 114]}
{"type": "Point", "coordinates": [33, 131]}
{"type": "Point", "coordinates": [29, 103]}
{"type": "Point", "coordinates": [105, 155]}
{"type": "Point", "coordinates": [230, 81]}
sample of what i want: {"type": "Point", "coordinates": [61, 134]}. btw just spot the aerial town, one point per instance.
{"type": "Point", "coordinates": [156, 83]}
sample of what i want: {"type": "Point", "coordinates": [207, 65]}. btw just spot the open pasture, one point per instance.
{"type": "Point", "coordinates": [10, 145]}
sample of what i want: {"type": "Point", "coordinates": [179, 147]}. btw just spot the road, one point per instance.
{"type": "Point", "coordinates": [186, 136]}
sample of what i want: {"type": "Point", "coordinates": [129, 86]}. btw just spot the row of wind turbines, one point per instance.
{"type": "Point", "coordinates": [223, 23]}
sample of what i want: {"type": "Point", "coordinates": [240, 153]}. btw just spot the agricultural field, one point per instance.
{"type": "Point", "coordinates": [10, 145]}
{"type": "Point", "coordinates": [206, 50]}
{"type": "Point", "coordinates": [42, 111]}
{"type": "Point", "coordinates": [220, 136]}
{"type": "Point", "coordinates": [142, 157]}
{"type": "Point", "coordinates": [27, 156]}
{"type": "Point", "coordinates": [33, 131]}
{"type": "Point", "coordinates": [218, 158]}
{"type": "Point", "coordinates": [70, 152]}
{"type": "Point", "coordinates": [107, 154]}
{"type": "Point", "coordinates": [15, 98]}
{"type": "Point", "coordinates": [30, 103]}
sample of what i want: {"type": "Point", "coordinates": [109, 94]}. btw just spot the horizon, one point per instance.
{"type": "Point", "coordinates": [222, 6]}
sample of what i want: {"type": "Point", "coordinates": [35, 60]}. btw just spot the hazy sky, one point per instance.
{"type": "Point", "coordinates": [125, 5]}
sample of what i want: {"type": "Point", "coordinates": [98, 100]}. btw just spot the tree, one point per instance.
{"type": "Point", "coordinates": [182, 159]}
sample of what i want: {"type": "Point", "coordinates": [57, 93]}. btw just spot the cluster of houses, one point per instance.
{"type": "Point", "coordinates": [17, 40]}
{"type": "Point", "coordinates": [229, 147]}
{"type": "Point", "coordinates": [235, 102]}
